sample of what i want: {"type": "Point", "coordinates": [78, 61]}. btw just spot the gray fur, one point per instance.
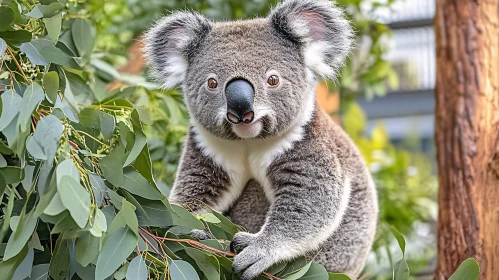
{"type": "Point", "coordinates": [309, 192]}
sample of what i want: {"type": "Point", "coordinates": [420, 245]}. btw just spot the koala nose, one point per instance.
{"type": "Point", "coordinates": [240, 94]}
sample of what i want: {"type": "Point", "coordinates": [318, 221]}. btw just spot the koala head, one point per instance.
{"type": "Point", "coordinates": [254, 78]}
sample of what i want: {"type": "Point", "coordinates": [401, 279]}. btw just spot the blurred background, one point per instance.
{"type": "Point", "coordinates": [383, 99]}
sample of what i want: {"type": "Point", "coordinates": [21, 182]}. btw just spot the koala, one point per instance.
{"type": "Point", "coordinates": [259, 148]}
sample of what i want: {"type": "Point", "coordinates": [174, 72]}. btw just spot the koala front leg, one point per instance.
{"type": "Point", "coordinates": [302, 216]}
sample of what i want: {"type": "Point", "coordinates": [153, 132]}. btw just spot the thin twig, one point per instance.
{"type": "Point", "coordinates": [200, 245]}
{"type": "Point", "coordinates": [17, 63]}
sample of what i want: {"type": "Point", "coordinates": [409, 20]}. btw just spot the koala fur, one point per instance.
{"type": "Point", "coordinates": [291, 177]}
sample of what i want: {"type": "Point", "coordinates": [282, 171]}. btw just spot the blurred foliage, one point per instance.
{"type": "Point", "coordinates": [60, 79]}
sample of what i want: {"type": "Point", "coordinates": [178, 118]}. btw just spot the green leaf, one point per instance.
{"type": "Point", "coordinates": [84, 35]}
{"type": "Point", "coordinates": [10, 107]}
{"type": "Point", "coordinates": [64, 224]}
{"type": "Point", "coordinates": [33, 95]}
{"type": "Point", "coordinates": [210, 218]}
{"type": "Point", "coordinates": [59, 264]}
{"type": "Point", "coordinates": [468, 270]}
{"type": "Point", "coordinates": [55, 207]}
{"type": "Point", "coordinates": [117, 247]}
{"type": "Point", "coordinates": [40, 272]}
{"type": "Point", "coordinates": [315, 272]}
{"type": "Point", "coordinates": [12, 174]}
{"type": "Point", "coordinates": [53, 26]}
{"type": "Point", "coordinates": [57, 56]}
{"type": "Point", "coordinates": [126, 217]}
{"type": "Point", "coordinates": [401, 270]}
{"type": "Point", "coordinates": [99, 188]}
{"type": "Point", "coordinates": [87, 248]}
{"type": "Point", "coordinates": [207, 264]}
{"type": "Point", "coordinates": [51, 85]}
{"type": "Point", "coordinates": [32, 51]}
{"type": "Point", "coordinates": [107, 124]}
{"type": "Point", "coordinates": [140, 139]}
{"type": "Point", "coordinates": [3, 46]}
{"type": "Point", "coordinates": [112, 170]}
{"type": "Point", "coordinates": [120, 274]}
{"type": "Point", "coordinates": [99, 224]}
{"type": "Point", "coordinates": [76, 199]}
{"type": "Point", "coordinates": [143, 165]}
{"type": "Point", "coordinates": [299, 273]}
{"type": "Point", "coordinates": [6, 17]}
{"type": "Point", "coordinates": [8, 214]}
{"type": "Point", "coordinates": [23, 271]}
{"type": "Point", "coordinates": [89, 117]}
{"type": "Point", "coordinates": [182, 270]}
{"type": "Point", "coordinates": [138, 185]}
{"type": "Point", "coordinates": [182, 217]}
{"type": "Point", "coordinates": [400, 239]}
{"type": "Point", "coordinates": [151, 212]}
{"type": "Point", "coordinates": [8, 267]}
{"type": "Point", "coordinates": [17, 241]}
{"type": "Point", "coordinates": [338, 276]}
{"type": "Point", "coordinates": [79, 88]}
{"type": "Point", "coordinates": [137, 270]}
{"type": "Point", "coordinates": [16, 37]}
{"type": "Point", "coordinates": [45, 11]}
{"type": "Point", "coordinates": [43, 144]}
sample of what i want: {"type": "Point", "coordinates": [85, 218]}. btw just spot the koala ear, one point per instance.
{"type": "Point", "coordinates": [170, 43]}
{"type": "Point", "coordinates": [320, 27]}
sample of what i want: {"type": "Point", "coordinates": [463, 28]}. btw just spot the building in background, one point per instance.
{"type": "Point", "coordinates": [409, 109]}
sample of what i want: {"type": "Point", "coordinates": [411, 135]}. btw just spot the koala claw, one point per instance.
{"type": "Point", "coordinates": [240, 241]}
{"type": "Point", "coordinates": [254, 259]}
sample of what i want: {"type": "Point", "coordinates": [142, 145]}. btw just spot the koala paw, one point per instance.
{"type": "Point", "coordinates": [254, 259]}
{"type": "Point", "coordinates": [201, 234]}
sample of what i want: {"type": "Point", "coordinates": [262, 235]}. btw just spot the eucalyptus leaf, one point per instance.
{"type": "Point", "coordinates": [16, 37]}
{"type": "Point", "coordinates": [31, 49]}
{"type": "Point", "coordinates": [112, 170]}
{"type": "Point", "coordinates": [17, 241]}
{"type": "Point", "coordinates": [23, 271]}
{"type": "Point", "coordinates": [6, 17]}
{"type": "Point", "coordinates": [8, 267]}
{"type": "Point", "coordinates": [45, 11]}
{"type": "Point", "coordinates": [137, 269]}
{"type": "Point", "coordinates": [468, 270]}
{"type": "Point", "coordinates": [51, 85]}
{"type": "Point", "coordinates": [117, 247]}
{"type": "Point", "coordinates": [39, 272]}
{"type": "Point", "coordinates": [83, 36]}
{"type": "Point", "coordinates": [87, 248]}
{"type": "Point", "coordinates": [11, 102]}
{"type": "Point", "coordinates": [3, 46]}
{"type": "Point", "coordinates": [76, 199]}
{"type": "Point", "coordinates": [182, 270]}
{"type": "Point", "coordinates": [138, 185]}
{"type": "Point", "coordinates": [33, 95]}
{"type": "Point", "coordinates": [59, 264]}
{"type": "Point", "coordinates": [207, 264]}
{"type": "Point", "coordinates": [53, 26]}
{"type": "Point", "coordinates": [57, 56]}
{"type": "Point", "coordinates": [401, 270]}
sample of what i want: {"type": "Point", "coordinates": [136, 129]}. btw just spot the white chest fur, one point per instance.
{"type": "Point", "coordinates": [245, 159]}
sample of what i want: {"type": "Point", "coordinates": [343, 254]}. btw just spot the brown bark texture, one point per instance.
{"type": "Point", "coordinates": [467, 134]}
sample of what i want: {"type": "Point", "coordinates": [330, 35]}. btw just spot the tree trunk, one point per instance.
{"type": "Point", "coordinates": [467, 134]}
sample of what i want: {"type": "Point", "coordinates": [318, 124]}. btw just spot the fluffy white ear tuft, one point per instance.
{"type": "Point", "coordinates": [320, 27]}
{"type": "Point", "coordinates": [170, 42]}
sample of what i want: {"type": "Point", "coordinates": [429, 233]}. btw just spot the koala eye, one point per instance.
{"type": "Point", "coordinates": [212, 83]}
{"type": "Point", "coordinates": [273, 80]}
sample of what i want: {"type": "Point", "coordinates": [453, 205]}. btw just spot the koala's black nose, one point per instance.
{"type": "Point", "coordinates": [240, 94]}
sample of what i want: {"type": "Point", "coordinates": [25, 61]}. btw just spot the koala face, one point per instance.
{"type": "Point", "coordinates": [254, 78]}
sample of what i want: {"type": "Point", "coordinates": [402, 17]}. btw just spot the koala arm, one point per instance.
{"type": "Point", "coordinates": [199, 181]}
{"type": "Point", "coordinates": [309, 204]}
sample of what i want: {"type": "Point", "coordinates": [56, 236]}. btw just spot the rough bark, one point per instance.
{"type": "Point", "coordinates": [467, 134]}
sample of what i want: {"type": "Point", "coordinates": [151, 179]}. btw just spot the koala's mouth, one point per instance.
{"type": "Point", "coordinates": [250, 130]}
